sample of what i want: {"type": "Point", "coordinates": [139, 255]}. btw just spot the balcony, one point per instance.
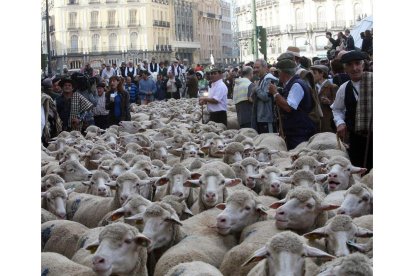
{"type": "Point", "coordinates": [273, 30]}
{"type": "Point", "coordinates": [112, 24]}
{"type": "Point", "coordinates": [163, 48]}
{"type": "Point", "coordinates": [73, 27]}
{"type": "Point", "coordinates": [74, 51]}
{"type": "Point", "coordinates": [95, 25]}
{"type": "Point", "coordinates": [73, 2]}
{"type": "Point", "coordinates": [132, 24]}
{"type": "Point", "coordinates": [159, 23]}
{"type": "Point", "coordinates": [320, 26]}
{"type": "Point", "coordinates": [300, 28]}
{"type": "Point", "coordinates": [165, 2]}
{"type": "Point", "coordinates": [111, 1]}
{"type": "Point", "coordinates": [338, 24]}
{"type": "Point", "coordinates": [94, 1]}
{"type": "Point", "coordinates": [265, 3]}
{"type": "Point", "coordinates": [244, 34]}
{"type": "Point", "coordinates": [297, 1]}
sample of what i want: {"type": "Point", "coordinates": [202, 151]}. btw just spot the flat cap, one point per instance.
{"type": "Point", "coordinates": [101, 84]}
{"type": "Point", "coordinates": [285, 64]}
{"type": "Point", "coordinates": [293, 50]}
{"type": "Point", "coordinates": [286, 56]}
{"type": "Point", "coordinates": [47, 83]}
{"type": "Point", "coordinates": [320, 67]}
{"type": "Point", "coordinates": [353, 55]}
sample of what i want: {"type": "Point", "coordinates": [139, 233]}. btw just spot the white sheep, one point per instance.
{"type": "Point", "coordinates": [194, 268]}
{"type": "Point", "coordinates": [355, 264]}
{"type": "Point", "coordinates": [271, 141]}
{"type": "Point", "coordinates": [233, 153]}
{"type": "Point", "coordinates": [358, 201]}
{"type": "Point", "coordinates": [97, 184]}
{"type": "Point", "coordinates": [179, 205]}
{"type": "Point", "coordinates": [116, 168]}
{"type": "Point", "coordinates": [284, 254]}
{"type": "Point", "coordinates": [72, 170]}
{"type": "Point", "coordinates": [272, 185]}
{"type": "Point", "coordinates": [51, 180]}
{"type": "Point", "coordinates": [340, 176]}
{"type": "Point", "coordinates": [54, 264]}
{"type": "Point", "coordinates": [47, 216]}
{"type": "Point", "coordinates": [54, 201]}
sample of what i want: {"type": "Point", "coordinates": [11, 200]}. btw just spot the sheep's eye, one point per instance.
{"type": "Point", "coordinates": [128, 214]}
{"type": "Point", "coordinates": [200, 181]}
{"type": "Point", "coordinates": [128, 241]}
{"type": "Point", "coordinates": [310, 206]}
{"type": "Point", "coordinates": [364, 198]}
{"type": "Point", "coordinates": [296, 168]}
{"type": "Point", "coordinates": [349, 169]}
{"type": "Point", "coordinates": [223, 181]}
{"type": "Point", "coordinates": [247, 208]}
{"type": "Point", "coordinates": [48, 186]}
{"type": "Point", "coordinates": [92, 182]}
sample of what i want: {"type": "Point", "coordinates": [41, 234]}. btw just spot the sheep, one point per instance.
{"type": "Point", "coordinates": [365, 248]}
{"type": "Point", "coordinates": [133, 148]}
{"type": "Point", "coordinates": [271, 141]}
{"type": "Point", "coordinates": [47, 216]}
{"type": "Point", "coordinates": [158, 150]}
{"type": "Point", "coordinates": [358, 201]}
{"type": "Point", "coordinates": [89, 209]}
{"type": "Point", "coordinates": [246, 168]}
{"type": "Point", "coordinates": [54, 264]}
{"type": "Point", "coordinates": [70, 154]}
{"type": "Point", "coordinates": [117, 167]}
{"type": "Point", "coordinates": [194, 268]}
{"type": "Point", "coordinates": [135, 204]}
{"type": "Point", "coordinates": [242, 208]}
{"type": "Point", "coordinates": [179, 205]}
{"type": "Point", "coordinates": [225, 169]}
{"type": "Point", "coordinates": [368, 179]}
{"type": "Point", "coordinates": [213, 144]}
{"type": "Point", "coordinates": [284, 255]}
{"type": "Point", "coordinates": [306, 178]}
{"type": "Point", "coordinates": [308, 163]}
{"type": "Point", "coordinates": [121, 250]}
{"type": "Point", "coordinates": [340, 174]}
{"type": "Point", "coordinates": [97, 184]}
{"type": "Point", "coordinates": [175, 179]}
{"type": "Point", "coordinates": [189, 149]}
{"type": "Point", "coordinates": [132, 127]}
{"type": "Point", "coordinates": [128, 157]}
{"type": "Point", "coordinates": [248, 132]}
{"type": "Point", "coordinates": [213, 190]}
{"type": "Point", "coordinates": [302, 210]}
{"type": "Point", "coordinates": [337, 231]}
{"type": "Point", "coordinates": [229, 134]}
{"type": "Point", "coordinates": [96, 153]}
{"type": "Point", "coordinates": [140, 139]}
{"type": "Point", "coordinates": [323, 141]}
{"type": "Point", "coordinates": [140, 165]}
{"type": "Point", "coordinates": [72, 170]}
{"type": "Point", "coordinates": [355, 264]}
{"type": "Point", "coordinates": [270, 182]}
{"type": "Point", "coordinates": [109, 139]}
{"type": "Point", "coordinates": [158, 168]}
{"type": "Point", "coordinates": [233, 153]}
{"type": "Point", "coordinates": [61, 236]}
{"type": "Point", "coordinates": [54, 201]}
{"type": "Point", "coordinates": [51, 180]}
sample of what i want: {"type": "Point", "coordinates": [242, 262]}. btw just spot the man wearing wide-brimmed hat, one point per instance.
{"type": "Point", "coordinates": [353, 109]}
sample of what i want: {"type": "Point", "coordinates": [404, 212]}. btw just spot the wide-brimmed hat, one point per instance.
{"type": "Point", "coordinates": [293, 50]}
{"type": "Point", "coordinates": [286, 55]}
{"type": "Point", "coordinates": [320, 67]}
{"type": "Point", "coordinates": [285, 64]}
{"type": "Point", "coordinates": [353, 55]}
{"type": "Point", "coordinates": [65, 80]}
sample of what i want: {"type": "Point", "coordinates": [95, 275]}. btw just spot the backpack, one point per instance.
{"type": "Point", "coordinates": [316, 112]}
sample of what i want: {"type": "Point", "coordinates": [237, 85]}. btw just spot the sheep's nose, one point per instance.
{"type": "Point", "coordinates": [179, 194]}
{"type": "Point", "coordinates": [281, 213]}
{"type": "Point", "coordinates": [332, 175]}
{"type": "Point", "coordinates": [210, 195]}
{"type": "Point", "coordinates": [341, 212]}
{"type": "Point", "coordinates": [98, 260]}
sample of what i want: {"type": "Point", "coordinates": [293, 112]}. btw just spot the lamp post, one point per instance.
{"type": "Point", "coordinates": [49, 64]}
{"type": "Point", "coordinates": [255, 50]}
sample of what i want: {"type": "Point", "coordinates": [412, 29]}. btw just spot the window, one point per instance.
{"type": "Point", "coordinates": [321, 42]}
{"type": "Point", "coordinates": [134, 40]}
{"type": "Point", "coordinates": [357, 11]}
{"type": "Point", "coordinates": [300, 43]}
{"type": "Point", "coordinates": [94, 18]}
{"type": "Point", "coordinates": [321, 16]}
{"type": "Point", "coordinates": [72, 20]}
{"type": "Point", "coordinates": [339, 13]}
{"type": "Point", "coordinates": [113, 41]}
{"type": "Point", "coordinates": [299, 19]}
{"type": "Point", "coordinates": [73, 43]}
{"type": "Point", "coordinates": [111, 18]}
{"type": "Point", "coordinates": [95, 42]}
{"type": "Point", "coordinates": [133, 17]}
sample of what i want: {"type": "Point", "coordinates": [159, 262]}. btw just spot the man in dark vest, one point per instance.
{"type": "Point", "coordinates": [294, 103]}
{"type": "Point", "coordinates": [131, 71]}
{"type": "Point", "coordinates": [352, 109]}
{"type": "Point", "coordinates": [122, 70]}
{"type": "Point", "coordinates": [153, 67]}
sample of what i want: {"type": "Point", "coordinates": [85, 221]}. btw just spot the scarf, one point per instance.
{"type": "Point", "coordinates": [50, 111]}
{"type": "Point", "coordinates": [363, 116]}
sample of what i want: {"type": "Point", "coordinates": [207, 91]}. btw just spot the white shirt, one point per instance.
{"type": "Point", "coordinates": [155, 66]}
{"type": "Point", "coordinates": [218, 91]}
{"type": "Point", "coordinates": [176, 70]}
{"type": "Point", "coordinates": [43, 120]}
{"type": "Point", "coordinates": [129, 70]}
{"type": "Point", "coordinates": [107, 74]}
{"type": "Point", "coordinates": [338, 106]}
{"type": "Point", "coordinates": [296, 94]}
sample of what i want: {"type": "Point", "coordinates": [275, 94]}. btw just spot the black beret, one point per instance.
{"type": "Point", "coordinates": [353, 55]}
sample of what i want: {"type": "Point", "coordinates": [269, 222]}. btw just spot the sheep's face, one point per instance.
{"type": "Point", "coordinates": [160, 153]}
{"type": "Point", "coordinates": [272, 185]}
{"type": "Point", "coordinates": [286, 263]}
{"type": "Point", "coordinates": [176, 186]}
{"type": "Point", "coordinates": [73, 171]}
{"type": "Point", "coordinates": [211, 191]}
{"type": "Point", "coordinates": [127, 188]}
{"type": "Point", "coordinates": [56, 204]}
{"type": "Point", "coordinates": [116, 169]}
{"type": "Point", "coordinates": [117, 255]}
{"type": "Point", "coordinates": [98, 185]}
{"type": "Point", "coordinates": [263, 155]}
{"type": "Point", "coordinates": [235, 157]}
{"type": "Point", "coordinates": [339, 176]}
{"type": "Point", "coordinates": [237, 215]}
{"type": "Point", "coordinates": [297, 215]}
{"type": "Point", "coordinates": [356, 205]}
{"type": "Point", "coordinates": [190, 150]}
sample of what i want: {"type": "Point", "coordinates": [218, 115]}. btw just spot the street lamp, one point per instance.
{"type": "Point", "coordinates": [49, 64]}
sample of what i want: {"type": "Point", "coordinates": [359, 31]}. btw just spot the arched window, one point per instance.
{"type": "Point", "coordinates": [299, 19]}
{"type": "Point", "coordinates": [357, 11]}
{"type": "Point", "coordinates": [134, 41]}
{"type": "Point", "coordinates": [95, 42]}
{"type": "Point", "coordinates": [339, 13]}
{"type": "Point", "coordinates": [113, 42]}
{"type": "Point", "coordinates": [321, 16]}
{"type": "Point", "coordinates": [74, 44]}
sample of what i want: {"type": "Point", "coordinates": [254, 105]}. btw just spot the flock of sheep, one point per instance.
{"type": "Point", "coordinates": [164, 194]}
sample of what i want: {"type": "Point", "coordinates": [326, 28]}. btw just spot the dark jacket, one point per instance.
{"type": "Point", "coordinates": [350, 44]}
{"type": "Point", "coordinates": [125, 113]}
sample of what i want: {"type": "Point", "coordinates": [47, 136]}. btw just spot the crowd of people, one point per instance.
{"type": "Point", "coordinates": [295, 97]}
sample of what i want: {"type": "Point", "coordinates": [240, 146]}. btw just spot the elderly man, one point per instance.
{"type": "Point", "coordinates": [352, 109]}
{"type": "Point", "coordinates": [217, 98]}
{"type": "Point", "coordinates": [262, 115]}
{"type": "Point", "coordinates": [294, 103]}
{"type": "Point", "coordinates": [242, 97]}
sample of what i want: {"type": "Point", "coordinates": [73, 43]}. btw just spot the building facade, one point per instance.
{"type": "Point", "coordinates": [227, 34]}
{"type": "Point", "coordinates": [300, 23]}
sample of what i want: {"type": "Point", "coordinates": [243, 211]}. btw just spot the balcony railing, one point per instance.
{"type": "Point", "coordinates": [112, 24]}
{"type": "Point", "coordinates": [264, 3]}
{"type": "Point", "coordinates": [297, 1]}
{"type": "Point", "coordinates": [94, 1]}
{"type": "Point", "coordinates": [338, 24]}
{"type": "Point", "coordinates": [300, 28]}
{"type": "Point", "coordinates": [73, 2]}
{"type": "Point", "coordinates": [160, 23]}
{"type": "Point", "coordinates": [95, 25]}
{"type": "Point", "coordinates": [273, 30]}
{"type": "Point", "coordinates": [163, 48]}
{"type": "Point", "coordinates": [132, 23]}
{"type": "Point", "coordinates": [73, 26]}
{"type": "Point", "coordinates": [320, 26]}
{"type": "Point", "coordinates": [111, 1]}
{"type": "Point", "coordinates": [74, 50]}
{"type": "Point", "coordinates": [244, 34]}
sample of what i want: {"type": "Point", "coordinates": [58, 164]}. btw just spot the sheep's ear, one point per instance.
{"type": "Point", "coordinates": [258, 255]}
{"type": "Point", "coordinates": [69, 191]}
{"type": "Point", "coordinates": [179, 149]}
{"type": "Point", "coordinates": [93, 247]}
{"type": "Point", "coordinates": [187, 211]}
{"type": "Point", "coordinates": [361, 247]}
{"type": "Point", "coordinates": [111, 185]}
{"type": "Point", "coordinates": [117, 214]}
{"type": "Point", "coordinates": [230, 182]}
{"type": "Point", "coordinates": [363, 233]}
{"type": "Point", "coordinates": [264, 164]}
{"type": "Point", "coordinates": [105, 168]}
{"type": "Point", "coordinates": [162, 181]}
{"type": "Point", "coordinates": [142, 240]}
{"type": "Point", "coordinates": [321, 177]}
{"type": "Point", "coordinates": [86, 183]}
{"type": "Point", "coordinates": [174, 219]}
{"type": "Point", "coordinates": [195, 176]}
{"type": "Point", "coordinates": [44, 194]}
{"type": "Point", "coordinates": [285, 179]}
{"type": "Point", "coordinates": [328, 207]}
{"type": "Point", "coordinates": [261, 210]}
{"type": "Point", "coordinates": [357, 170]}
{"type": "Point", "coordinates": [316, 234]}
{"type": "Point", "coordinates": [200, 153]}
{"type": "Point", "coordinates": [138, 218]}
{"type": "Point", "coordinates": [277, 204]}
{"type": "Point", "coordinates": [192, 184]}
{"type": "Point", "coordinates": [257, 176]}
{"type": "Point", "coordinates": [221, 206]}
{"type": "Point", "coordinates": [310, 251]}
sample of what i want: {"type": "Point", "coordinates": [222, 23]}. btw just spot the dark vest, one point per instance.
{"type": "Point", "coordinates": [154, 68]}
{"type": "Point", "coordinates": [130, 73]}
{"type": "Point", "coordinates": [297, 122]}
{"type": "Point", "coordinates": [123, 71]}
{"type": "Point", "coordinates": [350, 105]}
